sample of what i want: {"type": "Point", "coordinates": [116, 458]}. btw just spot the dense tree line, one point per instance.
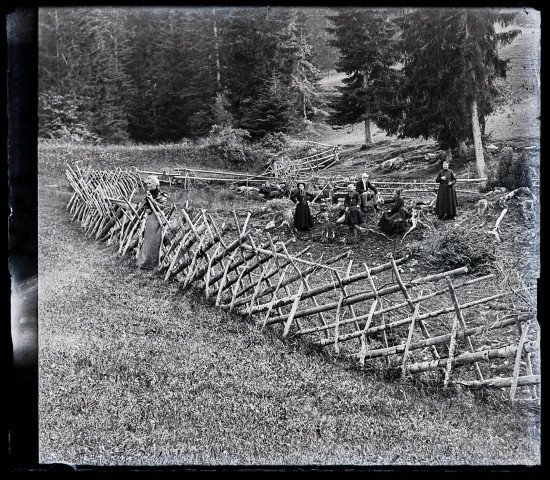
{"type": "Point", "coordinates": [161, 74]}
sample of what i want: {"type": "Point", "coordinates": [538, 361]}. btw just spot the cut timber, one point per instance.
{"type": "Point", "coordinates": [468, 358]}
{"type": "Point", "coordinates": [436, 340]}
{"type": "Point", "coordinates": [331, 286]}
{"type": "Point", "coordinates": [500, 382]}
{"type": "Point", "coordinates": [517, 363]}
{"type": "Point", "coordinates": [292, 279]}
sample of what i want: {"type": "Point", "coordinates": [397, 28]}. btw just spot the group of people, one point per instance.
{"type": "Point", "coordinates": [362, 193]}
{"type": "Point", "coordinates": [356, 201]}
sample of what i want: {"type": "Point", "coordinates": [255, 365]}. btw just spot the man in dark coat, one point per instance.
{"type": "Point", "coordinates": [445, 204]}
{"type": "Point", "coordinates": [367, 191]}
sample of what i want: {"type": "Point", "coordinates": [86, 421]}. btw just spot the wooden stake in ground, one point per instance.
{"type": "Point", "coordinates": [288, 322]}
{"type": "Point", "coordinates": [462, 323]}
{"type": "Point", "coordinates": [409, 338]}
{"type": "Point", "coordinates": [517, 363]}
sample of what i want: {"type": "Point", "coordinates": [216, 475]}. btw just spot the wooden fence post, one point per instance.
{"type": "Point", "coordinates": [517, 362]}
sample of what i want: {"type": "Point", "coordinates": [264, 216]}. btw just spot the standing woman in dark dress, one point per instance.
{"type": "Point", "coordinates": [445, 205]}
{"type": "Point", "coordinates": [302, 215]}
{"type": "Point", "coordinates": [148, 255]}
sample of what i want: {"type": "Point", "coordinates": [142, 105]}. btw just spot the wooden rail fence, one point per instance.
{"type": "Point", "coordinates": [434, 325]}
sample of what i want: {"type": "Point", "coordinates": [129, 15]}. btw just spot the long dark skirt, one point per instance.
{"type": "Point", "coordinates": [353, 216]}
{"type": "Point", "coordinates": [391, 224]}
{"type": "Point", "coordinates": [446, 201]}
{"type": "Point", "coordinates": [148, 256]}
{"type": "Point", "coordinates": [302, 217]}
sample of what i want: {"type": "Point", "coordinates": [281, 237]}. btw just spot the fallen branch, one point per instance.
{"type": "Point", "coordinates": [495, 230]}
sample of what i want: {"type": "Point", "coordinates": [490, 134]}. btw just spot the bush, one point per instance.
{"type": "Point", "coordinates": [510, 170]}
{"type": "Point", "coordinates": [276, 142]}
{"type": "Point", "coordinates": [453, 249]}
{"type": "Point", "coordinates": [231, 145]}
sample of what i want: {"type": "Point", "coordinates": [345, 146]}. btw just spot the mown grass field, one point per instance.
{"type": "Point", "coordinates": [133, 372]}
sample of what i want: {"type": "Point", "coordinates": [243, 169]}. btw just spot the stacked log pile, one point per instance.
{"type": "Point", "coordinates": [432, 325]}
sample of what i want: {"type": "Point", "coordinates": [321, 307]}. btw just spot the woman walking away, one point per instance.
{"type": "Point", "coordinates": [302, 215]}
{"type": "Point", "coordinates": [391, 221]}
{"type": "Point", "coordinates": [150, 248]}
{"type": "Point", "coordinates": [352, 202]}
{"type": "Point", "coordinates": [445, 205]}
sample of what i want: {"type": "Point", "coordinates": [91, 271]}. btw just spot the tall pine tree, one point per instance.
{"type": "Point", "coordinates": [448, 81]}
{"type": "Point", "coordinates": [365, 38]}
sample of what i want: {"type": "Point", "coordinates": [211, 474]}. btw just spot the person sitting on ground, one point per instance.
{"type": "Point", "coordinates": [148, 255]}
{"type": "Point", "coordinates": [269, 190]}
{"type": "Point", "coordinates": [367, 191]}
{"type": "Point", "coordinates": [391, 221]}
{"type": "Point", "coordinates": [302, 215]}
{"type": "Point", "coordinates": [352, 201]}
{"type": "Point", "coordinates": [446, 203]}
{"type": "Point", "coordinates": [283, 189]}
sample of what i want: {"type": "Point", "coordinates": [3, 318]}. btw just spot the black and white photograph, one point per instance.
{"type": "Point", "coordinates": [281, 237]}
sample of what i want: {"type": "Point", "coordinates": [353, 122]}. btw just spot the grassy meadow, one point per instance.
{"type": "Point", "coordinates": [134, 372]}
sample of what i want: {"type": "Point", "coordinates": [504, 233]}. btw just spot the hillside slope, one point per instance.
{"type": "Point", "coordinates": [517, 123]}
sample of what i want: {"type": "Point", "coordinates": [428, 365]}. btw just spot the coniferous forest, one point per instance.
{"type": "Point", "coordinates": [150, 75]}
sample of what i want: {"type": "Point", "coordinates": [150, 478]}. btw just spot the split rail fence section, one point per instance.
{"type": "Point", "coordinates": [412, 188]}
{"type": "Point", "coordinates": [434, 326]}
{"type": "Point", "coordinates": [280, 170]}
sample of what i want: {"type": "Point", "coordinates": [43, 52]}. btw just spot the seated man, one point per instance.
{"type": "Point", "coordinates": [367, 191]}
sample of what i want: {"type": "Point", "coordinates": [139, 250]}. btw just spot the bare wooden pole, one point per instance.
{"type": "Point", "coordinates": [288, 322]}
{"type": "Point", "coordinates": [409, 339]}
{"type": "Point", "coordinates": [437, 340]}
{"type": "Point", "coordinates": [527, 380]}
{"type": "Point", "coordinates": [462, 323]}
{"type": "Point", "coordinates": [468, 358]}
{"type": "Point", "coordinates": [274, 297]}
{"type": "Point", "coordinates": [247, 255]}
{"type": "Point", "coordinates": [258, 262]}
{"type": "Point", "coordinates": [517, 363]}
{"type": "Point", "coordinates": [224, 277]}
{"type": "Point", "coordinates": [217, 258]}
{"type": "Point", "coordinates": [377, 301]}
{"type": "Point", "coordinates": [364, 344]}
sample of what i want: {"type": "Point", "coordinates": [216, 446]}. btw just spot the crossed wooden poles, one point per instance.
{"type": "Point", "coordinates": [372, 314]}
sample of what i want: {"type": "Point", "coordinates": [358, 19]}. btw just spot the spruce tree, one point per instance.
{"type": "Point", "coordinates": [447, 87]}
{"type": "Point", "coordinates": [365, 38]}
